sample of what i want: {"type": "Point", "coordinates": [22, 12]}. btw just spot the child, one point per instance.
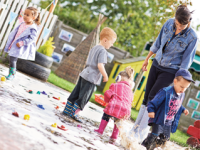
{"type": "Point", "coordinates": [165, 109]}
{"type": "Point", "coordinates": [91, 75]}
{"type": "Point", "coordinates": [119, 98]}
{"type": "Point", "coordinates": [22, 40]}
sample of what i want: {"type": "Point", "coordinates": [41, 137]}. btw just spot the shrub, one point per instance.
{"type": "Point", "coordinates": [47, 48]}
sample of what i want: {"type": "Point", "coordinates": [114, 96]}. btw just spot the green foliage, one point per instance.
{"type": "Point", "coordinates": [195, 75]}
{"type": "Point", "coordinates": [135, 22]}
{"type": "Point", "coordinates": [47, 48]}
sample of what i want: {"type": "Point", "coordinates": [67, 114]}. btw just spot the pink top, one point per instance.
{"type": "Point", "coordinates": [21, 29]}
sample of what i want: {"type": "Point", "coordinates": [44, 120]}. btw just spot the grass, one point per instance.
{"type": "Point", "coordinates": [179, 137]}
{"type": "Point", "coordinates": [68, 86]}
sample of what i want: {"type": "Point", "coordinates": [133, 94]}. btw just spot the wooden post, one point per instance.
{"type": "Point", "coordinates": [53, 6]}
{"type": "Point", "coordinates": [50, 11]}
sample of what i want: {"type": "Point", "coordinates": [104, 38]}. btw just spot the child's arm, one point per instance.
{"type": "Point", "coordinates": [103, 72]}
{"type": "Point", "coordinates": [31, 38]}
{"type": "Point", "coordinates": [156, 102]}
{"type": "Point", "coordinates": [108, 94]}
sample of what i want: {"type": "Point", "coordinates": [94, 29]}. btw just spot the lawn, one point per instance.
{"type": "Point", "coordinates": [179, 137]}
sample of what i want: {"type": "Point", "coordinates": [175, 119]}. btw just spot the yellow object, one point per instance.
{"type": "Point", "coordinates": [54, 125]}
{"type": "Point", "coordinates": [3, 78]}
{"type": "Point", "coordinates": [59, 98]}
{"type": "Point", "coordinates": [136, 64]}
{"type": "Point", "coordinates": [26, 117]}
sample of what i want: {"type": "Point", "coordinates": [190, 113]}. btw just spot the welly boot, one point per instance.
{"type": "Point", "coordinates": [161, 140]}
{"type": "Point", "coordinates": [102, 127]}
{"type": "Point", "coordinates": [74, 113]}
{"type": "Point", "coordinates": [114, 135]}
{"type": "Point", "coordinates": [12, 72]}
{"type": "Point", "coordinates": [150, 140]}
{"type": "Point", "coordinates": [68, 108]}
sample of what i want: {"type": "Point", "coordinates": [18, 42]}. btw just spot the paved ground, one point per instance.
{"type": "Point", "coordinates": [37, 133]}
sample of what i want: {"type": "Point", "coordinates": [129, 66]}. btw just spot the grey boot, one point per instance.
{"type": "Point", "coordinates": [149, 141]}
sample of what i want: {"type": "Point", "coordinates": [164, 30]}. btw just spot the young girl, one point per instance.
{"type": "Point", "coordinates": [119, 98]}
{"type": "Point", "coordinates": [22, 40]}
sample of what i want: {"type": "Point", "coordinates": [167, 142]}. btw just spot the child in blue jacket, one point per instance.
{"type": "Point", "coordinates": [165, 109]}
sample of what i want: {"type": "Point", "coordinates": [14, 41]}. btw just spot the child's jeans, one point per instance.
{"type": "Point", "coordinates": [82, 93]}
{"type": "Point", "coordinates": [158, 129]}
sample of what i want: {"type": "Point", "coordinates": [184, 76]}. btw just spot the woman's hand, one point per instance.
{"type": "Point", "coordinates": [144, 65]}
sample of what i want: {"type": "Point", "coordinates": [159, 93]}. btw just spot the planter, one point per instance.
{"type": "Point", "coordinates": [33, 69]}
{"type": "Point", "coordinates": [43, 60]}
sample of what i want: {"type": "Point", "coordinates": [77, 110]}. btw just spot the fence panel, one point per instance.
{"type": "Point", "coordinates": [7, 6]}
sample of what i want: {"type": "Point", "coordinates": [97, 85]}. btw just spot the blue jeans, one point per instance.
{"type": "Point", "coordinates": [158, 129]}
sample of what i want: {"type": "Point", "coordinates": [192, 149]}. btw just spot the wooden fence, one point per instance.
{"type": "Point", "coordinates": [15, 6]}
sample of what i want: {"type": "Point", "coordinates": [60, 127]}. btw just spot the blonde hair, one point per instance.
{"type": "Point", "coordinates": [35, 13]}
{"type": "Point", "coordinates": [127, 75]}
{"type": "Point", "coordinates": [108, 33]}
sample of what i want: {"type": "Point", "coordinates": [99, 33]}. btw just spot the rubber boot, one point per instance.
{"type": "Point", "coordinates": [68, 108]}
{"type": "Point", "coordinates": [114, 135]}
{"type": "Point", "coordinates": [140, 129]}
{"type": "Point", "coordinates": [102, 127]}
{"type": "Point", "coordinates": [161, 140]}
{"type": "Point", "coordinates": [12, 72]}
{"type": "Point", "coordinates": [150, 140]}
{"type": "Point", "coordinates": [73, 114]}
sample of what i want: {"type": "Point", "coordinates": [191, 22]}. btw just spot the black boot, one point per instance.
{"type": "Point", "coordinates": [151, 138]}
{"type": "Point", "coordinates": [161, 140]}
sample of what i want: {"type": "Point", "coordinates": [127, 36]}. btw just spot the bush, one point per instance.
{"type": "Point", "coordinates": [47, 48]}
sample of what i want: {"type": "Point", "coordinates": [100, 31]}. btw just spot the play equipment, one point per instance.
{"type": "Point", "coordinates": [54, 125]}
{"type": "Point", "coordinates": [100, 99]}
{"type": "Point", "coordinates": [26, 117]}
{"type": "Point", "coordinates": [3, 78]}
{"type": "Point", "coordinates": [194, 131]}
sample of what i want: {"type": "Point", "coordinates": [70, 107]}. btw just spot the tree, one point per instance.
{"type": "Point", "coordinates": [135, 21]}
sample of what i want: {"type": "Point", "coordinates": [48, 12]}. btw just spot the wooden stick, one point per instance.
{"type": "Point", "coordinates": [50, 11]}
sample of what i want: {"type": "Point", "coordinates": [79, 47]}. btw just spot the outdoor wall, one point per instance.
{"type": "Point", "coordinates": [75, 41]}
{"type": "Point", "coordinates": [191, 102]}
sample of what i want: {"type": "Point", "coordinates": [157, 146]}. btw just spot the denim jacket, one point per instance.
{"type": "Point", "coordinates": [180, 51]}
{"type": "Point", "coordinates": [160, 105]}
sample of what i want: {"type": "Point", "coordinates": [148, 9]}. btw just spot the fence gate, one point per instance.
{"type": "Point", "coordinates": [7, 7]}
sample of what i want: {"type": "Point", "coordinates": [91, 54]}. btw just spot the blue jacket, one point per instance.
{"type": "Point", "coordinates": [181, 50]}
{"type": "Point", "coordinates": [160, 105]}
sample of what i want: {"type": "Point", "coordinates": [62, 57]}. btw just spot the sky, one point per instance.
{"type": "Point", "coordinates": [195, 16]}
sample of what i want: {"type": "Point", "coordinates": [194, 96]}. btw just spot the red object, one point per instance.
{"type": "Point", "coordinates": [193, 131]}
{"type": "Point", "coordinates": [193, 141]}
{"type": "Point", "coordinates": [100, 99]}
{"type": "Point", "coordinates": [15, 114]}
{"type": "Point", "coordinates": [57, 107]}
{"type": "Point", "coordinates": [64, 103]}
{"type": "Point", "coordinates": [62, 128]}
{"type": "Point", "coordinates": [197, 124]}
{"type": "Point", "coordinates": [55, 98]}
{"type": "Point", "coordinates": [119, 98]}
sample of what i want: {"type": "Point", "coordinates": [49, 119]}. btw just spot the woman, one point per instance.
{"type": "Point", "coordinates": [175, 48]}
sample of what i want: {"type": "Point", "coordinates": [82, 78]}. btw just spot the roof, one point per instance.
{"type": "Point", "coordinates": [130, 60]}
